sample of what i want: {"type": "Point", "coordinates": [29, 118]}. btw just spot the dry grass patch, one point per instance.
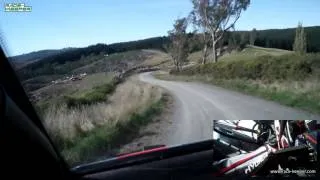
{"type": "Point", "coordinates": [80, 132]}
{"type": "Point", "coordinates": [157, 58]}
{"type": "Point", "coordinates": [130, 97]}
{"type": "Point", "coordinates": [250, 52]}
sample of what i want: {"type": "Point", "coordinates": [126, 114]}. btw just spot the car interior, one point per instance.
{"type": "Point", "coordinates": [28, 151]}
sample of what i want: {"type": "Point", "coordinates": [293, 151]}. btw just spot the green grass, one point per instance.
{"type": "Point", "coordinates": [301, 96]}
{"type": "Point", "coordinates": [285, 67]}
{"type": "Point", "coordinates": [251, 52]}
{"type": "Point", "coordinates": [309, 100]}
{"type": "Point", "coordinates": [264, 72]}
{"type": "Point", "coordinates": [96, 94]}
{"type": "Point", "coordinates": [92, 89]}
{"type": "Point", "coordinates": [104, 138]}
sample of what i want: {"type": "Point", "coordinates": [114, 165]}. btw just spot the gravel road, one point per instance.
{"type": "Point", "coordinates": [197, 104]}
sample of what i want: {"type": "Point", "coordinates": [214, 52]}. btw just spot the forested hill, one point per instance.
{"type": "Point", "coordinates": [273, 38]}
{"type": "Point", "coordinates": [44, 66]}
{"type": "Point", "coordinates": [283, 38]}
{"type": "Point", "coordinates": [36, 55]}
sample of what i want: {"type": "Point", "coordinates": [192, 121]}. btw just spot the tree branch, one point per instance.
{"type": "Point", "coordinates": [219, 37]}
{"type": "Point", "coordinates": [232, 24]}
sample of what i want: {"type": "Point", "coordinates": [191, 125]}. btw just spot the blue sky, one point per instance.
{"type": "Point", "coordinates": [78, 23]}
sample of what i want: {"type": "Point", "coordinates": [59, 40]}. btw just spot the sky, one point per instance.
{"type": "Point", "coordinates": [79, 23]}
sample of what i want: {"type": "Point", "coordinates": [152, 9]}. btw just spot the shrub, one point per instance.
{"type": "Point", "coordinates": [97, 94]}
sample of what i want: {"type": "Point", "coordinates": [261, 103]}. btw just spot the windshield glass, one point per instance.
{"type": "Point", "coordinates": [114, 77]}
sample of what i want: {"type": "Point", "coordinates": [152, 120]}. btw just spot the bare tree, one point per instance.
{"type": "Point", "coordinates": [178, 49]}
{"type": "Point", "coordinates": [199, 18]}
{"type": "Point", "coordinates": [220, 45]}
{"type": "Point", "coordinates": [218, 16]}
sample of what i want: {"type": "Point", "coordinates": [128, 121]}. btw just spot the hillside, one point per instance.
{"type": "Point", "coordinates": [47, 65]}
{"type": "Point", "coordinates": [37, 54]}
{"type": "Point", "coordinates": [274, 74]}
{"type": "Point", "coordinates": [276, 38]}
{"type": "Point", "coordinates": [22, 60]}
{"type": "Point", "coordinates": [248, 53]}
{"type": "Point", "coordinates": [272, 38]}
{"type": "Point", "coordinates": [252, 52]}
{"type": "Point", "coordinates": [116, 62]}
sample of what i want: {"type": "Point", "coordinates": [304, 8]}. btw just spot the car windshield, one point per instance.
{"type": "Point", "coordinates": [114, 77]}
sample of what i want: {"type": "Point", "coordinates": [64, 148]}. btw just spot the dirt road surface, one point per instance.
{"type": "Point", "coordinates": [197, 104]}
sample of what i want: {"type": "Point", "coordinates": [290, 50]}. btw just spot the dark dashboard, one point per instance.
{"type": "Point", "coordinates": [192, 166]}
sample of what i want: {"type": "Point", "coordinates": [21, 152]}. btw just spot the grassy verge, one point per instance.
{"type": "Point", "coordinates": [88, 131]}
{"type": "Point", "coordinates": [309, 100]}
{"type": "Point", "coordinates": [299, 94]}
{"type": "Point", "coordinates": [271, 68]}
{"type": "Point", "coordinates": [106, 137]}
{"type": "Point", "coordinates": [277, 75]}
